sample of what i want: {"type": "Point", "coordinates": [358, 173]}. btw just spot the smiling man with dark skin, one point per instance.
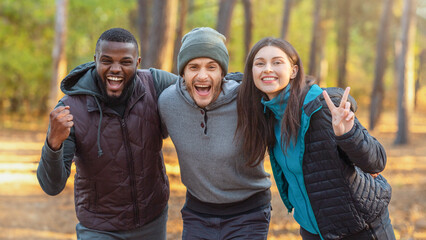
{"type": "Point", "coordinates": [108, 124]}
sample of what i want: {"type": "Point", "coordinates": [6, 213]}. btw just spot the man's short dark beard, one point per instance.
{"type": "Point", "coordinates": [117, 100]}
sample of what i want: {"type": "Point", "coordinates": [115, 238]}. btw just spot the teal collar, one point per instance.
{"type": "Point", "coordinates": [278, 104]}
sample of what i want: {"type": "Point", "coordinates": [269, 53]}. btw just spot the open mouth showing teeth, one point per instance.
{"type": "Point", "coordinates": [268, 79]}
{"type": "Point", "coordinates": [203, 89]}
{"type": "Point", "coordinates": [115, 81]}
{"type": "Point", "coordinates": [115, 78]}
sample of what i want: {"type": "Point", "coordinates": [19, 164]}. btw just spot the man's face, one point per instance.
{"type": "Point", "coordinates": [203, 79]}
{"type": "Point", "coordinates": [116, 64]}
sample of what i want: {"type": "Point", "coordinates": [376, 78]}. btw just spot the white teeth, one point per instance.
{"type": "Point", "coordinates": [268, 79]}
{"type": "Point", "coordinates": [115, 78]}
{"type": "Point", "coordinates": [202, 86]}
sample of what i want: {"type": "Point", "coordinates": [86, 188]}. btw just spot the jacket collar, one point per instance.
{"type": "Point", "coordinates": [80, 81]}
{"type": "Point", "coordinates": [335, 94]}
{"type": "Point", "coordinates": [278, 104]}
{"type": "Point", "coordinates": [138, 92]}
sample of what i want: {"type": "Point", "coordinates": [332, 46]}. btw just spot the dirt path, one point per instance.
{"type": "Point", "coordinates": [26, 212]}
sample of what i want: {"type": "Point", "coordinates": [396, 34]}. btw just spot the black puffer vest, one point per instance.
{"type": "Point", "coordinates": [345, 199]}
{"type": "Point", "coordinates": [125, 187]}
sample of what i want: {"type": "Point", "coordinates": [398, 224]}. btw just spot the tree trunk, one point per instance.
{"type": "Point", "coordinates": [405, 71]}
{"type": "Point", "coordinates": [224, 17]}
{"type": "Point", "coordinates": [58, 53]}
{"type": "Point", "coordinates": [420, 75]}
{"type": "Point", "coordinates": [183, 10]}
{"type": "Point", "coordinates": [162, 35]}
{"type": "Point", "coordinates": [325, 19]}
{"type": "Point", "coordinates": [143, 26]}
{"type": "Point", "coordinates": [248, 26]}
{"type": "Point", "coordinates": [377, 94]}
{"type": "Point", "coordinates": [286, 18]}
{"type": "Point", "coordinates": [342, 41]}
{"type": "Point", "coordinates": [315, 39]}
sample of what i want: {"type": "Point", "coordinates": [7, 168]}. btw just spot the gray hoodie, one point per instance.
{"type": "Point", "coordinates": [211, 159]}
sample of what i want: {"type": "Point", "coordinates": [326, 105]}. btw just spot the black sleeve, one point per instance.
{"type": "Point", "coordinates": [363, 150]}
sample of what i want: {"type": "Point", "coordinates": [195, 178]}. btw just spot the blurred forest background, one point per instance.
{"type": "Point", "coordinates": [375, 46]}
{"type": "Point", "coordinates": [378, 47]}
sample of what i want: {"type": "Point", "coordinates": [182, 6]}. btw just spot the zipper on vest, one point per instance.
{"type": "Point", "coordinates": [130, 163]}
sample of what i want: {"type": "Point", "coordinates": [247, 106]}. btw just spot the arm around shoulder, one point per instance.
{"type": "Point", "coordinates": [162, 79]}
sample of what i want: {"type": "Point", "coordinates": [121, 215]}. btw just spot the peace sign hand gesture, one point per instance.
{"type": "Point", "coordinates": [342, 117]}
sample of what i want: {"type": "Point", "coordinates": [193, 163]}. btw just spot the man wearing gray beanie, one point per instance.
{"type": "Point", "coordinates": [226, 198]}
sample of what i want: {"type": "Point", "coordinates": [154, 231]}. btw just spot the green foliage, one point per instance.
{"type": "Point", "coordinates": [27, 36]}
{"type": "Point", "coordinates": [203, 13]}
{"type": "Point", "coordinates": [25, 52]}
{"type": "Point", "coordinates": [88, 19]}
{"type": "Point", "coordinates": [26, 41]}
{"type": "Point", "coordinates": [236, 40]}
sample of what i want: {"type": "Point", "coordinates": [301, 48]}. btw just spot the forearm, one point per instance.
{"type": "Point", "coordinates": [54, 167]}
{"type": "Point", "coordinates": [362, 149]}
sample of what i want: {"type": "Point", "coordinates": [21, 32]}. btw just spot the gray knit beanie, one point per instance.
{"type": "Point", "coordinates": [203, 42]}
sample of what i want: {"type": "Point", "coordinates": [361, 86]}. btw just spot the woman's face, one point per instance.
{"type": "Point", "coordinates": [272, 70]}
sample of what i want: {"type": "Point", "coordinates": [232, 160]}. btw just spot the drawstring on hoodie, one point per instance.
{"type": "Point", "coordinates": [100, 152]}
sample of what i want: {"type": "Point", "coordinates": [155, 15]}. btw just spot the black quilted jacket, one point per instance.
{"type": "Point", "coordinates": [345, 198]}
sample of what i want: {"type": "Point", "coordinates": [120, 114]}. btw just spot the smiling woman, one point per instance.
{"type": "Point", "coordinates": [320, 154]}
{"type": "Point", "coordinates": [272, 70]}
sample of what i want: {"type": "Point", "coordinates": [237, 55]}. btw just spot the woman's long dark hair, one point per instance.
{"type": "Point", "coordinates": [255, 126]}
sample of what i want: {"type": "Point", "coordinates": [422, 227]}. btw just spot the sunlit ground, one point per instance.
{"type": "Point", "coordinates": [27, 213]}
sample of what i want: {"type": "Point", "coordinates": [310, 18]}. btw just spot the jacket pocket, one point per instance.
{"type": "Point", "coordinates": [85, 194]}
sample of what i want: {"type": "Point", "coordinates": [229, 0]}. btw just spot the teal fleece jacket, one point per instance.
{"type": "Point", "coordinates": [290, 160]}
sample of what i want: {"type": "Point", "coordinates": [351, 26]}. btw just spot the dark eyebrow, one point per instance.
{"type": "Point", "coordinates": [105, 56]}
{"type": "Point", "coordinates": [109, 57]}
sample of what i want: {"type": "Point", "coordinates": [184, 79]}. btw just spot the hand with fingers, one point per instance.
{"type": "Point", "coordinates": [342, 116]}
{"type": "Point", "coordinates": [60, 123]}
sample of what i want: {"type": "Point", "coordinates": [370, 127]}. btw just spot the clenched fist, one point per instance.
{"type": "Point", "coordinates": [60, 123]}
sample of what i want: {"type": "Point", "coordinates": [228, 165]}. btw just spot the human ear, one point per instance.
{"type": "Point", "coordinates": [138, 61]}
{"type": "Point", "coordinates": [294, 71]}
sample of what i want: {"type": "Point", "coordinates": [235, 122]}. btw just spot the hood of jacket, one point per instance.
{"type": "Point", "coordinates": [81, 81]}
{"type": "Point", "coordinates": [228, 93]}
{"type": "Point", "coordinates": [335, 94]}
